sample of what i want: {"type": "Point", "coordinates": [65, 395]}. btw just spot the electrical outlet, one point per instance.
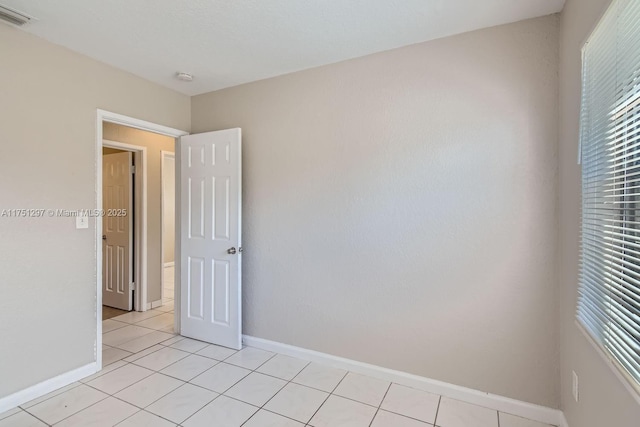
{"type": "Point", "coordinates": [576, 393]}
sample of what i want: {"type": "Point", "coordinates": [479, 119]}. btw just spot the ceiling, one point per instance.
{"type": "Point", "coordinates": [225, 43]}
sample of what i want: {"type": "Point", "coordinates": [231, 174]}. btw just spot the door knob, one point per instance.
{"type": "Point", "coordinates": [104, 237]}
{"type": "Point", "coordinates": [231, 251]}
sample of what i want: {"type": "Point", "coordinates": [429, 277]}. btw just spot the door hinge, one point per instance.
{"type": "Point", "coordinates": [133, 168]}
{"type": "Point", "coordinates": [132, 286]}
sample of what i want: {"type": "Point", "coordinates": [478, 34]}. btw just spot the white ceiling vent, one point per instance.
{"type": "Point", "coordinates": [13, 17]}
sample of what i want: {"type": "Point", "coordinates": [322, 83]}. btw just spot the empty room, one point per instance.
{"type": "Point", "coordinates": [288, 213]}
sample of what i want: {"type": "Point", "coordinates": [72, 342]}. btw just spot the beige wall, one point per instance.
{"type": "Point", "coordinates": [603, 399]}
{"type": "Point", "coordinates": [48, 101]}
{"type": "Point", "coordinates": [155, 144]}
{"type": "Point", "coordinates": [169, 209]}
{"type": "Point", "coordinates": [400, 209]}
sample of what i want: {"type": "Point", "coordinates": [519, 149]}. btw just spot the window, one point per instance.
{"type": "Point", "coordinates": [609, 294]}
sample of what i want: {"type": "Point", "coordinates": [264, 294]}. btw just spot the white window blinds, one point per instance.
{"type": "Point", "coordinates": [609, 295]}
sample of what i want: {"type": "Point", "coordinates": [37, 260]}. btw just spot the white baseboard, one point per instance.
{"type": "Point", "coordinates": [563, 422]}
{"type": "Point", "coordinates": [154, 304]}
{"type": "Point", "coordinates": [487, 400]}
{"type": "Point", "coordinates": [47, 386]}
{"type": "Point", "coordinates": [169, 264]}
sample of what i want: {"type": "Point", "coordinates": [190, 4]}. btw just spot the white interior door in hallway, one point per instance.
{"type": "Point", "coordinates": [209, 179]}
{"type": "Point", "coordinates": [117, 230]}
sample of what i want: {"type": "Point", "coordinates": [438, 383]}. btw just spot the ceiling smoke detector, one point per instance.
{"type": "Point", "coordinates": [185, 77]}
{"type": "Point", "coordinates": [13, 17]}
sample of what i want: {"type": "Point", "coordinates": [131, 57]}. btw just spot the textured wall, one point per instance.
{"type": "Point", "coordinates": [604, 401]}
{"type": "Point", "coordinates": [48, 101]}
{"type": "Point", "coordinates": [155, 144]}
{"type": "Point", "coordinates": [401, 209]}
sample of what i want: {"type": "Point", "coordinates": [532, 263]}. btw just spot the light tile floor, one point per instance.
{"type": "Point", "coordinates": [152, 377]}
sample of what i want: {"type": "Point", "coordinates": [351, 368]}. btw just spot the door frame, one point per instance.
{"type": "Point", "coordinates": [165, 154]}
{"type": "Point", "coordinates": [110, 117]}
{"type": "Point", "coordinates": [139, 220]}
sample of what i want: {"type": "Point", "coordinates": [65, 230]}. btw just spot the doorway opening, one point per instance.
{"type": "Point", "coordinates": [137, 177]}
{"type": "Point", "coordinates": [207, 242]}
{"type": "Point", "coordinates": [129, 236]}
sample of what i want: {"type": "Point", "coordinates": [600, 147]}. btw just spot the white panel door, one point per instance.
{"type": "Point", "coordinates": [117, 230]}
{"type": "Point", "coordinates": [210, 237]}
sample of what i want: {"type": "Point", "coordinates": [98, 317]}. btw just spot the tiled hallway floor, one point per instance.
{"type": "Point", "coordinates": [154, 378]}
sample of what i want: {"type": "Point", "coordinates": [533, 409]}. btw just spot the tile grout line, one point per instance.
{"type": "Point", "coordinates": [312, 388]}
{"type": "Point", "coordinates": [207, 404]}
{"type": "Point", "coordinates": [164, 395]}
{"type": "Point", "coordinates": [143, 410]}
{"type": "Point", "coordinates": [159, 350]}
{"type": "Point", "coordinates": [148, 354]}
{"type": "Point", "coordinates": [133, 339]}
{"type": "Point", "coordinates": [101, 391]}
{"type": "Point", "coordinates": [134, 383]}
{"type": "Point", "coordinates": [281, 388]}
{"type": "Point", "coordinates": [322, 404]}
{"type": "Point", "coordinates": [139, 337]}
{"type": "Point", "coordinates": [34, 416]}
{"type": "Point", "coordinates": [77, 412]}
{"type": "Point", "coordinates": [136, 323]}
{"type": "Point", "coordinates": [130, 416]}
{"type": "Point", "coordinates": [158, 372]}
{"type": "Point", "coordinates": [217, 363]}
{"type": "Point", "coordinates": [204, 388]}
{"type": "Point", "coordinates": [292, 381]}
{"type": "Point", "coordinates": [379, 407]}
{"type": "Point", "coordinates": [197, 375]}
{"type": "Point", "coordinates": [287, 382]}
{"type": "Point", "coordinates": [50, 397]}
{"type": "Point", "coordinates": [252, 371]}
{"type": "Point", "coordinates": [328, 395]}
{"type": "Point", "coordinates": [381, 401]}
{"type": "Point", "coordinates": [218, 394]}
{"type": "Point", "coordinates": [435, 421]}
{"type": "Point", "coordinates": [256, 370]}
{"type": "Point", "coordinates": [234, 384]}
{"type": "Point", "coordinates": [397, 413]}
{"type": "Point", "coordinates": [133, 323]}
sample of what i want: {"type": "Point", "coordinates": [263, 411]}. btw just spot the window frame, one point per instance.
{"type": "Point", "coordinates": [631, 383]}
